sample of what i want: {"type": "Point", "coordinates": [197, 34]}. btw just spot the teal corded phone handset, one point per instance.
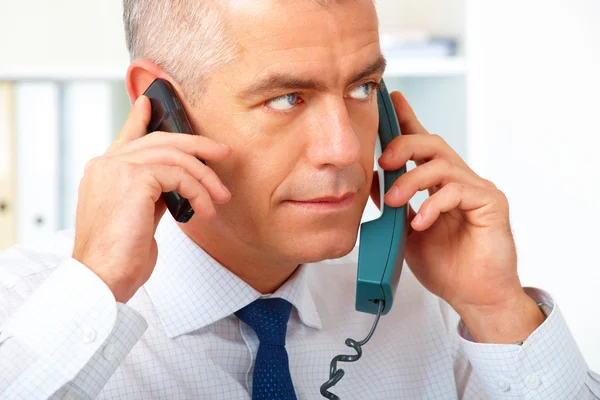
{"type": "Point", "coordinates": [381, 248]}
{"type": "Point", "coordinates": [382, 241]}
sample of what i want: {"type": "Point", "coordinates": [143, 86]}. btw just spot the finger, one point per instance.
{"type": "Point", "coordinates": [172, 156]}
{"type": "Point", "coordinates": [199, 146]}
{"type": "Point", "coordinates": [376, 199]}
{"type": "Point", "coordinates": [167, 178]}
{"type": "Point", "coordinates": [418, 148]}
{"type": "Point", "coordinates": [429, 176]}
{"type": "Point", "coordinates": [466, 198]}
{"type": "Point", "coordinates": [136, 125]}
{"type": "Point", "coordinates": [409, 124]}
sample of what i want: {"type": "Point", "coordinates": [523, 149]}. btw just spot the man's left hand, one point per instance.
{"type": "Point", "coordinates": [460, 245]}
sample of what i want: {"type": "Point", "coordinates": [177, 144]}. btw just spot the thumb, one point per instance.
{"type": "Point", "coordinates": [375, 193]}
{"type": "Point", "coordinates": [136, 125]}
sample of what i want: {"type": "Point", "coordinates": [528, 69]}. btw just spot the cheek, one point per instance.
{"type": "Point", "coordinates": [365, 123]}
{"type": "Point", "coordinates": [257, 167]}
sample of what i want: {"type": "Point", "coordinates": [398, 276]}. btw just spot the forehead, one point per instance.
{"type": "Point", "coordinates": [303, 34]}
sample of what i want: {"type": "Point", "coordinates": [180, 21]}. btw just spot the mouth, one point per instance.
{"type": "Point", "coordinates": [325, 203]}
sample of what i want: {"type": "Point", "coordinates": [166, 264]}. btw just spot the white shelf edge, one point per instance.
{"type": "Point", "coordinates": [60, 73]}
{"type": "Point", "coordinates": [396, 67]}
{"type": "Point", "coordinates": [425, 67]}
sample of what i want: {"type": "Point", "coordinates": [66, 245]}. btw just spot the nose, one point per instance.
{"type": "Point", "coordinates": [333, 140]}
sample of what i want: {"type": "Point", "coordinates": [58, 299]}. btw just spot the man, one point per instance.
{"type": "Point", "coordinates": [282, 95]}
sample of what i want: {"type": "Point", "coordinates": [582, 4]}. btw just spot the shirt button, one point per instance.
{"type": "Point", "coordinates": [532, 381]}
{"type": "Point", "coordinates": [89, 335]}
{"type": "Point", "coordinates": [503, 385]}
{"type": "Point", "coordinates": [109, 352]}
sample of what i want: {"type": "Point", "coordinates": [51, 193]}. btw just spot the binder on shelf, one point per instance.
{"type": "Point", "coordinates": [86, 132]}
{"type": "Point", "coordinates": [8, 169]}
{"type": "Point", "coordinates": [37, 131]}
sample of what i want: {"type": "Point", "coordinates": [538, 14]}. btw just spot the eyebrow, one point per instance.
{"type": "Point", "coordinates": [281, 82]}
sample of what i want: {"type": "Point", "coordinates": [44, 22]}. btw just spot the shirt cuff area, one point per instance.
{"type": "Point", "coordinates": [549, 364]}
{"type": "Point", "coordinates": [69, 319]}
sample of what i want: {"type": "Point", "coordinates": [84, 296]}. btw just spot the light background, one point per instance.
{"type": "Point", "coordinates": [520, 103]}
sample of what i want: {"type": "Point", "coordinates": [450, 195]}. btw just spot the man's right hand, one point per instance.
{"type": "Point", "coordinates": [120, 202]}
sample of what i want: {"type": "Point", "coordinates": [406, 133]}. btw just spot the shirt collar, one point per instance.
{"type": "Point", "coordinates": [191, 290]}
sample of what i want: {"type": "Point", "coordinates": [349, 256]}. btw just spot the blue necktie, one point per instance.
{"type": "Point", "coordinates": [269, 318]}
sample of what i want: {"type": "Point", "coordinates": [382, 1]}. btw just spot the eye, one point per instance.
{"type": "Point", "coordinates": [362, 92]}
{"type": "Point", "coordinates": [284, 103]}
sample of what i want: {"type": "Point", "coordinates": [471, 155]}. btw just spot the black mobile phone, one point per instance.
{"type": "Point", "coordinates": [168, 116]}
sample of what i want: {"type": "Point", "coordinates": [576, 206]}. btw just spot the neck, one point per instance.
{"type": "Point", "coordinates": [262, 272]}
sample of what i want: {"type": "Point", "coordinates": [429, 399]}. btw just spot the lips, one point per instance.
{"type": "Point", "coordinates": [327, 199]}
{"type": "Point", "coordinates": [324, 203]}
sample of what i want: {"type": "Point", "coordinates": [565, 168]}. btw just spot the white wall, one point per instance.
{"type": "Point", "coordinates": [84, 32]}
{"type": "Point", "coordinates": [533, 114]}
{"type": "Point", "coordinates": [41, 33]}
{"type": "Point", "coordinates": [439, 17]}
{"type": "Point", "coordinates": [534, 84]}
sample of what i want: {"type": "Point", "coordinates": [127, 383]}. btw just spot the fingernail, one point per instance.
{"type": "Point", "coordinates": [225, 190]}
{"type": "Point", "coordinates": [394, 192]}
{"type": "Point", "coordinates": [417, 220]}
{"type": "Point", "coordinates": [387, 155]}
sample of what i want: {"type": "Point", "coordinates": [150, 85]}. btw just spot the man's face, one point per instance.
{"type": "Point", "coordinates": [299, 110]}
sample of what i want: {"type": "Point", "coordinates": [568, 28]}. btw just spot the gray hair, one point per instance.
{"type": "Point", "coordinates": [169, 32]}
{"type": "Point", "coordinates": [188, 39]}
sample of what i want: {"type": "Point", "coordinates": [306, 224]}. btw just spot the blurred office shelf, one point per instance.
{"type": "Point", "coordinates": [63, 73]}
{"type": "Point", "coordinates": [425, 66]}
{"type": "Point", "coordinates": [435, 86]}
{"type": "Point", "coordinates": [396, 66]}
{"type": "Point", "coordinates": [433, 80]}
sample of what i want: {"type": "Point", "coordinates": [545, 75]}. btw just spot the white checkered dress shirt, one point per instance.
{"type": "Point", "coordinates": [62, 335]}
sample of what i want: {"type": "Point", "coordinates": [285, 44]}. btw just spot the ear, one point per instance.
{"type": "Point", "coordinates": [141, 73]}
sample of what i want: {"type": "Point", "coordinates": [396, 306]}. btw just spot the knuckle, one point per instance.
{"type": "Point", "coordinates": [502, 198]}
{"type": "Point", "coordinates": [455, 187]}
{"type": "Point", "coordinates": [438, 139]}
{"type": "Point", "coordinates": [90, 165]}
{"type": "Point", "coordinates": [116, 144]}
{"type": "Point", "coordinates": [442, 164]}
{"type": "Point", "coordinates": [181, 173]}
{"type": "Point", "coordinates": [130, 173]}
{"type": "Point", "coordinates": [210, 213]}
{"type": "Point", "coordinates": [200, 139]}
{"type": "Point", "coordinates": [153, 183]}
{"type": "Point", "coordinates": [501, 203]}
{"type": "Point", "coordinates": [489, 184]}
{"type": "Point", "coordinates": [400, 139]}
{"type": "Point", "coordinates": [169, 153]}
{"type": "Point", "coordinates": [97, 167]}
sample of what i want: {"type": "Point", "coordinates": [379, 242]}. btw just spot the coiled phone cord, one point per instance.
{"type": "Point", "coordinates": [336, 374]}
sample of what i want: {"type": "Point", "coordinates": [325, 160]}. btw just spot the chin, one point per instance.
{"type": "Point", "coordinates": [316, 237]}
{"type": "Point", "coordinates": [324, 245]}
